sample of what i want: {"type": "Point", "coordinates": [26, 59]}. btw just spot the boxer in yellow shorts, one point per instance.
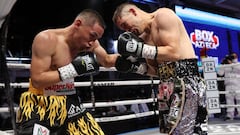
{"type": "Point", "coordinates": [51, 106]}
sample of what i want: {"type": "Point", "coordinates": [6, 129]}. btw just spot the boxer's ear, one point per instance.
{"type": "Point", "coordinates": [132, 10]}
{"type": "Point", "coordinates": [78, 22]}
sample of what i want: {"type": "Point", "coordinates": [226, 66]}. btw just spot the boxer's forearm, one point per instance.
{"type": "Point", "coordinates": [152, 71]}
{"type": "Point", "coordinates": [44, 79]}
{"type": "Point", "coordinates": [108, 61]}
{"type": "Point", "coordinates": [130, 44]}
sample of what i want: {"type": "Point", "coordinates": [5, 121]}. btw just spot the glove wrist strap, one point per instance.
{"type": "Point", "coordinates": [67, 72]}
{"type": "Point", "coordinates": [149, 52]}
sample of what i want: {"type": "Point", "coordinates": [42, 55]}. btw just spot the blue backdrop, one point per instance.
{"type": "Point", "coordinates": [213, 39]}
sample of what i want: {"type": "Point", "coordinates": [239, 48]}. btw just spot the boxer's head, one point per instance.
{"type": "Point", "coordinates": [128, 18]}
{"type": "Point", "coordinates": [88, 27]}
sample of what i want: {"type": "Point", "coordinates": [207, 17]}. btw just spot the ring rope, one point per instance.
{"type": "Point", "coordinates": [117, 103]}
{"type": "Point", "coordinates": [113, 83]}
{"type": "Point", "coordinates": [227, 78]}
{"type": "Point", "coordinates": [125, 117]}
{"type": "Point", "coordinates": [109, 119]}
{"type": "Point", "coordinates": [27, 66]}
{"type": "Point", "coordinates": [228, 65]}
{"type": "Point", "coordinates": [97, 83]}
{"type": "Point", "coordinates": [102, 104]}
{"type": "Point", "coordinates": [233, 92]}
{"type": "Point", "coordinates": [108, 83]}
{"type": "Point", "coordinates": [17, 59]}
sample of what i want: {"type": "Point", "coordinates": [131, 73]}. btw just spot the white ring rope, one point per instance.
{"type": "Point", "coordinates": [108, 104]}
{"type": "Point", "coordinates": [228, 65]}
{"type": "Point", "coordinates": [110, 83]}
{"type": "Point", "coordinates": [116, 103]}
{"type": "Point", "coordinates": [27, 66]}
{"type": "Point", "coordinates": [97, 83]}
{"type": "Point", "coordinates": [227, 78]}
{"type": "Point", "coordinates": [233, 92]}
{"type": "Point", "coordinates": [125, 117]}
{"type": "Point", "coordinates": [18, 66]}
{"type": "Point", "coordinates": [103, 104]}
{"type": "Point", "coordinates": [17, 59]}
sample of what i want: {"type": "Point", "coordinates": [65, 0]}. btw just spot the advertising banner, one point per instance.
{"type": "Point", "coordinates": [208, 40]}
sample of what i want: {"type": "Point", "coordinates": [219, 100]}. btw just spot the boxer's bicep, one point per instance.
{"type": "Point", "coordinates": [168, 23]}
{"type": "Point", "coordinates": [42, 51]}
{"type": "Point", "coordinates": [167, 36]}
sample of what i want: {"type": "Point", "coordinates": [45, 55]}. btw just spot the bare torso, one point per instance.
{"type": "Point", "coordinates": [55, 48]}
{"type": "Point", "coordinates": [167, 32]}
{"type": "Point", "coordinates": [63, 54]}
{"type": "Point", "coordinates": [50, 51]}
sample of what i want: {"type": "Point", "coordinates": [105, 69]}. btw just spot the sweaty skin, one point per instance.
{"type": "Point", "coordinates": [55, 48]}
{"type": "Point", "coordinates": [162, 28]}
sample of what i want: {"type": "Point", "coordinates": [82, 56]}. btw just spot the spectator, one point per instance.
{"type": "Point", "coordinates": [231, 82]}
{"type": "Point", "coordinates": [139, 108]}
{"type": "Point", "coordinates": [121, 108]}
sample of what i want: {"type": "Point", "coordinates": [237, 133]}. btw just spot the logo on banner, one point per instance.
{"type": "Point", "coordinates": [204, 38]}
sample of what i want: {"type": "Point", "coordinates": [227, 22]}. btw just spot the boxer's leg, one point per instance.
{"type": "Point", "coordinates": [190, 106]}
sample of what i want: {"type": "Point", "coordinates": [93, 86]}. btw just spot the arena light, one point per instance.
{"type": "Point", "coordinates": [197, 16]}
{"type": "Point", "coordinates": [146, 1]}
{"type": "Point", "coordinates": [114, 47]}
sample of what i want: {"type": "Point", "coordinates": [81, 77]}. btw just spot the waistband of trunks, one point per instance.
{"type": "Point", "coordinates": [181, 68]}
{"type": "Point", "coordinates": [34, 90]}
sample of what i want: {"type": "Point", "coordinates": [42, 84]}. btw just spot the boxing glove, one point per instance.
{"type": "Point", "coordinates": [130, 44]}
{"type": "Point", "coordinates": [130, 64]}
{"type": "Point", "coordinates": [82, 64]}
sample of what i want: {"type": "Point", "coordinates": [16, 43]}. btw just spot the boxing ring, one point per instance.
{"type": "Point", "coordinates": [215, 127]}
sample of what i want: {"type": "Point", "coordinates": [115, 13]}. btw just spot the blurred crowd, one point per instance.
{"type": "Point", "coordinates": [230, 71]}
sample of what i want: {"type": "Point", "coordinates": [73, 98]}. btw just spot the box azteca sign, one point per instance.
{"type": "Point", "coordinates": [204, 39]}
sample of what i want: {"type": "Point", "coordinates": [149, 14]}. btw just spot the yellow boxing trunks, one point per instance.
{"type": "Point", "coordinates": [54, 115]}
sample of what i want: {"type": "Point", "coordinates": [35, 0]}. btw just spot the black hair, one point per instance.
{"type": "Point", "coordinates": [91, 16]}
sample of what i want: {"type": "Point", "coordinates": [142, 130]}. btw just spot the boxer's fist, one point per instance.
{"type": "Point", "coordinates": [130, 64]}
{"type": "Point", "coordinates": [130, 44]}
{"type": "Point", "coordinates": [82, 64]}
